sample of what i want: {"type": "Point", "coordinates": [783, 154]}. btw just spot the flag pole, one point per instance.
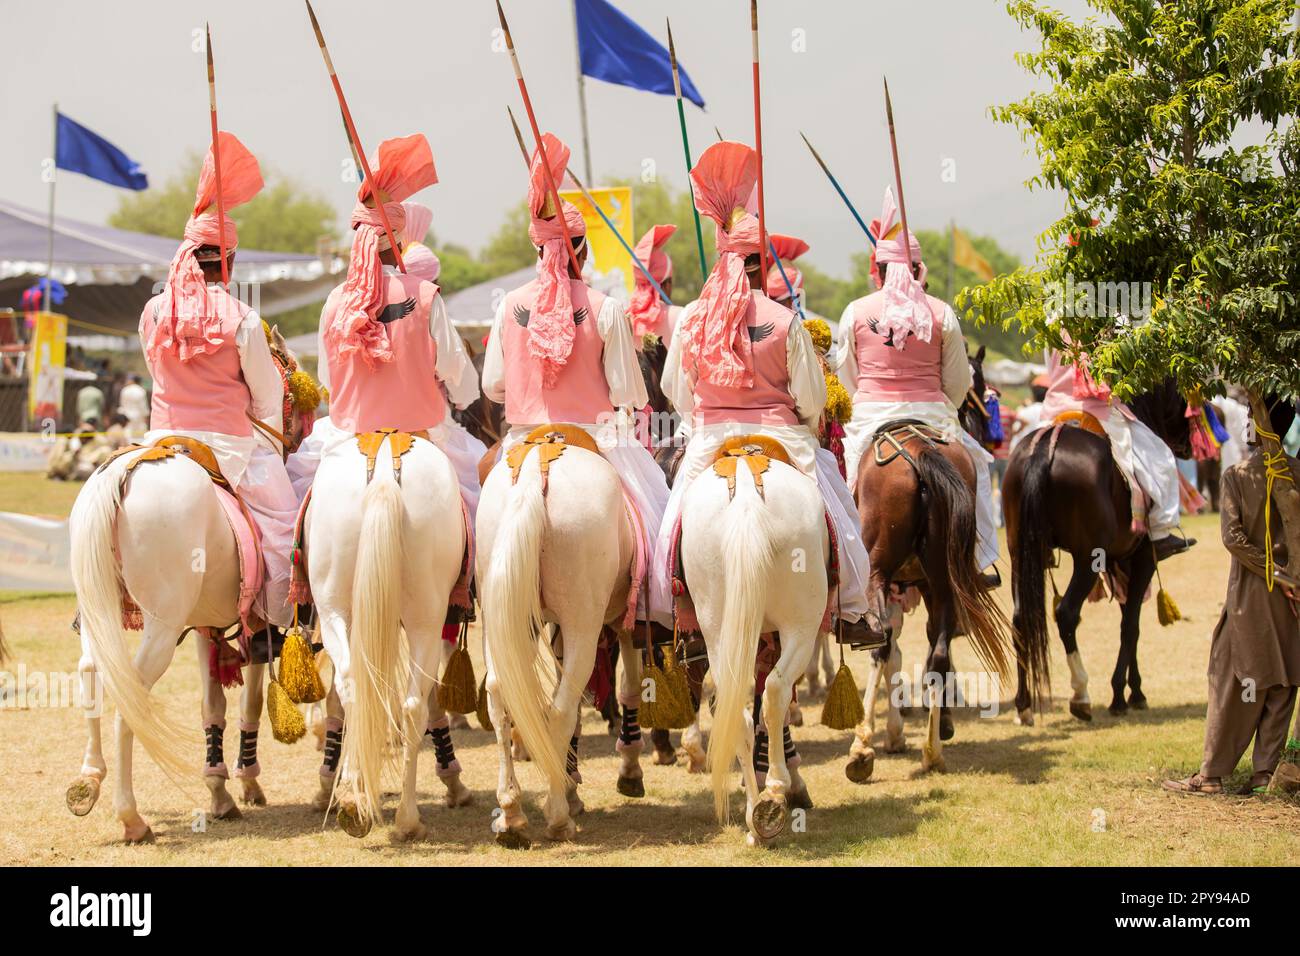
{"type": "Point", "coordinates": [952, 259]}
{"type": "Point", "coordinates": [216, 162]}
{"type": "Point", "coordinates": [838, 188]}
{"type": "Point", "coordinates": [758, 141]}
{"type": "Point", "coordinates": [541, 147]}
{"type": "Point", "coordinates": [898, 178]}
{"type": "Point", "coordinates": [49, 257]}
{"type": "Point", "coordinates": [686, 149]}
{"type": "Point", "coordinates": [582, 93]}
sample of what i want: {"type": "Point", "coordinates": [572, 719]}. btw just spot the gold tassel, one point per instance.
{"type": "Point", "coordinates": [298, 674]}
{"type": "Point", "coordinates": [674, 706]}
{"type": "Point", "coordinates": [654, 710]}
{"type": "Point", "coordinates": [1166, 609]}
{"type": "Point", "coordinates": [287, 723]}
{"type": "Point", "coordinates": [456, 689]}
{"type": "Point", "coordinates": [481, 711]}
{"type": "Point", "coordinates": [843, 708]}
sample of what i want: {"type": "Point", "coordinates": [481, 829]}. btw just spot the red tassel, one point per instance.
{"type": "Point", "coordinates": [224, 664]}
{"type": "Point", "coordinates": [601, 683]}
{"type": "Point", "coordinates": [451, 633]}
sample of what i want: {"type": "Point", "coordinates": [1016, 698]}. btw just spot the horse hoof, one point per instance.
{"type": "Point", "coordinates": [136, 837]}
{"type": "Point", "coordinates": [350, 820]}
{"type": "Point", "coordinates": [1081, 711]}
{"type": "Point", "coordinates": [231, 812]}
{"type": "Point", "coordinates": [946, 730]}
{"type": "Point", "coordinates": [458, 722]}
{"type": "Point", "coordinates": [665, 758]}
{"type": "Point", "coordinates": [412, 834]}
{"type": "Point", "coordinates": [1025, 717]}
{"type": "Point", "coordinates": [898, 746]}
{"type": "Point", "coordinates": [253, 795]}
{"type": "Point", "coordinates": [631, 786]}
{"type": "Point", "coordinates": [796, 717]}
{"type": "Point", "coordinates": [321, 801]}
{"type": "Point", "coordinates": [769, 817]}
{"type": "Point", "coordinates": [562, 832]}
{"type": "Point", "coordinates": [1137, 701]}
{"type": "Point", "coordinates": [1118, 708]}
{"type": "Point", "coordinates": [800, 800]}
{"type": "Point", "coordinates": [82, 795]}
{"type": "Point", "coordinates": [859, 769]}
{"type": "Point", "coordinates": [458, 796]}
{"type": "Point", "coordinates": [513, 840]}
{"type": "Point", "coordinates": [576, 807]}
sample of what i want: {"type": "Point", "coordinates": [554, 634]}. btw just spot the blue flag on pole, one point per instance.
{"type": "Point", "coordinates": [613, 48]}
{"type": "Point", "coordinates": [80, 150]}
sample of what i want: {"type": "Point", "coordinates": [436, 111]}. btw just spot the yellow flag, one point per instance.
{"type": "Point", "coordinates": [607, 253]}
{"type": "Point", "coordinates": [964, 255]}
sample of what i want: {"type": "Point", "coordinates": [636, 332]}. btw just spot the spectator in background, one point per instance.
{"type": "Point", "coordinates": [90, 405]}
{"type": "Point", "coordinates": [133, 404]}
{"type": "Point", "coordinates": [1030, 413]}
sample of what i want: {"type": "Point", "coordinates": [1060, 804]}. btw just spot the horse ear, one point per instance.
{"type": "Point", "coordinates": [979, 356]}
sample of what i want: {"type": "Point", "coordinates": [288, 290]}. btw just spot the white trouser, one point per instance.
{"type": "Point", "coordinates": [643, 481]}
{"type": "Point", "coordinates": [1146, 459]}
{"type": "Point", "coordinates": [808, 457]}
{"type": "Point", "coordinates": [463, 449]}
{"type": "Point", "coordinates": [869, 417]}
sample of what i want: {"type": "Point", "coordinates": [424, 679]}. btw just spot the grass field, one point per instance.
{"type": "Point", "coordinates": [1061, 792]}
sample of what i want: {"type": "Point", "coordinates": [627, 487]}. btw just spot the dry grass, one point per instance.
{"type": "Point", "coordinates": [1011, 795]}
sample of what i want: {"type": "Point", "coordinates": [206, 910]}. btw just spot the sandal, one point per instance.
{"type": "Point", "coordinates": [1195, 784]}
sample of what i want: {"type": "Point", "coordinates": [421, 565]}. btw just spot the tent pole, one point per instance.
{"type": "Point", "coordinates": [582, 96]}
{"type": "Point", "coordinates": [49, 258]}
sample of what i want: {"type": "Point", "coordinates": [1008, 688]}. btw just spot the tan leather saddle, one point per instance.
{"type": "Point", "coordinates": [756, 451]}
{"type": "Point", "coordinates": [551, 441]}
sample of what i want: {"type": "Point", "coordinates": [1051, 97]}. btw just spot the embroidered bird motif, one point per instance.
{"type": "Point", "coordinates": [889, 339]}
{"type": "Point", "coordinates": [522, 315]}
{"type": "Point", "coordinates": [759, 332]}
{"type": "Point", "coordinates": [397, 310]}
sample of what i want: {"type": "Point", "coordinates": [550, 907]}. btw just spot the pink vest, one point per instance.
{"type": "Point", "coordinates": [1060, 393]}
{"type": "Point", "coordinates": [404, 393]}
{"type": "Point", "coordinates": [768, 401]}
{"type": "Point", "coordinates": [886, 374]}
{"type": "Point", "coordinates": [207, 393]}
{"type": "Point", "coordinates": [581, 392]}
{"type": "Point", "coordinates": [665, 321]}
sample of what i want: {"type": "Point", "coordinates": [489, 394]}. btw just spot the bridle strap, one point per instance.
{"type": "Point", "coordinates": [270, 432]}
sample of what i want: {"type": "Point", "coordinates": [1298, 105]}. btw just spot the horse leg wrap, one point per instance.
{"type": "Point", "coordinates": [444, 752]}
{"type": "Point", "coordinates": [333, 747]}
{"type": "Point", "coordinates": [247, 767]}
{"type": "Point", "coordinates": [215, 760]}
{"type": "Point", "coordinates": [629, 735]}
{"type": "Point", "coordinates": [760, 753]}
{"type": "Point", "coordinates": [791, 755]}
{"type": "Point", "coordinates": [572, 763]}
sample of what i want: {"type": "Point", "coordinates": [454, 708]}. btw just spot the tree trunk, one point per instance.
{"type": "Point", "coordinates": [1286, 494]}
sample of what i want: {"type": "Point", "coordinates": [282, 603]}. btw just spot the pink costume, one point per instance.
{"type": "Point", "coordinates": [649, 313]}
{"type": "Point", "coordinates": [212, 369]}
{"type": "Point", "coordinates": [788, 249]}
{"type": "Point", "coordinates": [740, 363]}
{"type": "Point", "coordinates": [387, 346]}
{"type": "Point", "coordinates": [902, 355]}
{"type": "Point", "coordinates": [560, 351]}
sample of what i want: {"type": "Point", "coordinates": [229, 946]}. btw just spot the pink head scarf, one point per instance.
{"type": "Point", "coordinates": [551, 328]}
{"type": "Point", "coordinates": [788, 249]}
{"type": "Point", "coordinates": [906, 308]}
{"type": "Point", "coordinates": [401, 167]}
{"type": "Point", "coordinates": [646, 305]}
{"type": "Point", "coordinates": [188, 325]}
{"type": "Point", "coordinates": [416, 256]}
{"type": "Point", "coordinates": [714, 341]}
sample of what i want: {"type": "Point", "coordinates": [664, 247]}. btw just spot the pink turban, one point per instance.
{"type": "Point", "coordinates": [788, 249]}
{"type": "Point", "coordinates": [715, 343]}
{"type": "Point", "coordinates": [401, 167]}
{"type": "Point", "coordinates": [646, 306]}
{"type": "Point", "coordinates": [550, 327]}
{"type": "Point", "coordinates": [419, 218]}
{"type": "Point", "coordinates": [906, 308]}
{"type": "Point", "coordinates": [187, 324]}
{"type": "Point", "coordinates": [416, 256]}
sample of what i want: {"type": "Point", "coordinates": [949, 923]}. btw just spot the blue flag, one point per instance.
{"type": "Point", "coordinates": [80, 150]}
{"type": "Point", "coordinates": [613, 48]}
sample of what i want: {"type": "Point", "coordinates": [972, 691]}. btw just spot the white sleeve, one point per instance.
{"type": "Point", "coordinates": [807, 380]}
{"type": "Point", "coordinates": [955, 377]}
{"type": "Point", "coordinates": [846, 355]}
{"type": "Point", "coordinates": [622, 370]}
{"type": "Point", "coordinates": [322, 356]}
{"type": "Point", "coordinates": [677, 385]}
{"type": "Point", "coordinates": [454, 366]}
{"type": "Point", "coordinates": [261, 374]}
{"type": "Point", "coordinates": [494, 361]}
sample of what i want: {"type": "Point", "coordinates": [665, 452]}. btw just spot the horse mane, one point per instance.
{"type": "Point", "coordinates": [1163, 409]}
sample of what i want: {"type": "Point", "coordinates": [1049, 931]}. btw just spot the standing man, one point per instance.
{"type": "Point", "coordinates": [133, 402]}
{"type": "Point", "coordinates": [1255, 652]}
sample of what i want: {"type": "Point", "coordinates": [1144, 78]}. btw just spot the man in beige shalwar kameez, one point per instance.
{"type": "Point", "coordinates": [1255, 652]}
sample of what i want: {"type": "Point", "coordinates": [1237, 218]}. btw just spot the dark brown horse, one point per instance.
{"type": "Point", "coordinates": [1064, 491]}
{"type": "Point", "coordinates": [484, 418]}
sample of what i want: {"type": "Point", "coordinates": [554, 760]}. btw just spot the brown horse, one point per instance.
{"type": "Point", "coordinates": [1065, 491]}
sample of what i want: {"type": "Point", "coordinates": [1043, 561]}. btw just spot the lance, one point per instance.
{"type": "Point", "coordinates": [354, 141]}
{"type": "Point", "coordinates": [758, 139]}
{"type": "Point", "coordinates": [686, 148]}
{"type": "Point", "coordinates": [216, 162]}
{"type": "Point", "coordinates": [537, 135]}
{"type": "Point", "coordinates": [898, 176]}
{"type": "Point", "coordinates": [839, 189]}
{"type": "Point", "coordinates": [519, 137]}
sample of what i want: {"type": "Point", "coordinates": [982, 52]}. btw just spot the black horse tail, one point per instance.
{"type": "Point", "coordinates": [1034, 547]}
{"type": "Point", "coordinates": [949, 542]}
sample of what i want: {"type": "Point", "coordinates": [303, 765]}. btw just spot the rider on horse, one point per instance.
{"type": "Point", "coordinates": [561, 352]}
{"type": "Point", "coordinates": [651, 315]}
{"type": "Point", "coordinates": [902, 353]}
{"type": "Point", "coordinates": [213, 371]}
{"type": "Point", "coordinates": [783, 277]}
{"type": "Point", "coordinates": [1140, 453]}
{"type": "Point", "coordinates": [741, 364]}
{"type": "Point", "coordinates": [387, 344]}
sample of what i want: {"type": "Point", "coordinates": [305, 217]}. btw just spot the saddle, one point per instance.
{"type": "Point", "coordinates": [1139, 502]}
{"type": "Point", "coordinates": [890, 440]}
{"type": "Point", "coordinates": [551, 441]}
{"type": "Point", "coordinates": [756, 451]}
{"type": "Point", "coordinates": [1085, 420]}
{"type": "Point", "coordinates": [170, 446]}
{"type": "Point", "coordinates": [399, 443]}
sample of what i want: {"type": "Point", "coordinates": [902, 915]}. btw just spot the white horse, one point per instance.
{"type": "Point", "coordinates": [560, 557]}
{"type": "Point", "coordinates": [755, 564]}
{"type": "Point", "coordinates": [383, 559]}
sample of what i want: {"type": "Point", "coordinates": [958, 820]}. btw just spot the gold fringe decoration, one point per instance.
{"type": "Point", "coordinates": [481, 711]}
{"type": "Point", "coordinates": [298, 674]}
{"type": "Point", "coordinates": [1166, 610]}
{"type": "Point", "coordinates": [287, 723]}
{"type": "Point", "coordinates": [671, 707]}
{"type": "Point", "coordinates": [820, 333]}
{"type": "Point", "coordinates": [456, 690]}
{"type": "Point", "coordinates": [306, 393]}
{"type": "Point", "coordinates": [843, 709]}
{"type": "Point", "coordinates": [839, 403]}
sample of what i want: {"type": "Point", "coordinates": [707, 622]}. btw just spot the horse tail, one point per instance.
{"type": "Point", "coordinates": [951, 537]}
{"type": "Point", "coordinates": [512, 619]}
{"type": "Point", "coordinates": [377, 714]}
{"type": "Point", "coordinates": [98, 583]}
{"type": "Point", "coordinates": [747, 563]}
{"type": "Point", "coordinates": [1034, 551]}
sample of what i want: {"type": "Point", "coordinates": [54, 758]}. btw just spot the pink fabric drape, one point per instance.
{"type": "Point", "coordinates": [646, 306]}
{"type": "Point", "coordinates": [906, 309]}
{"type": "Point", "coordinates": [788, 249]}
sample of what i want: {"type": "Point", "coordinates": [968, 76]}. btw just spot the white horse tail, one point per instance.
{"type": "Point", "coordinates": [376, 717]}
{"type": "Point", "coordinates": [98, 584]}
{"type": "Point", "coordinates": [747, 563]}
{"type": "Point", "coordinates": [512, 618]}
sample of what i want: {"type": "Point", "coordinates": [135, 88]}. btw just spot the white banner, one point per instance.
{"type": "Point", "coordinates": [34, 553]}
{"type": "Point", "coordinates": [24, 452]}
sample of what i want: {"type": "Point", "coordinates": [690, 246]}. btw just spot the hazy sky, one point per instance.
{"type": "Point", "coordinates": [133, 72]}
